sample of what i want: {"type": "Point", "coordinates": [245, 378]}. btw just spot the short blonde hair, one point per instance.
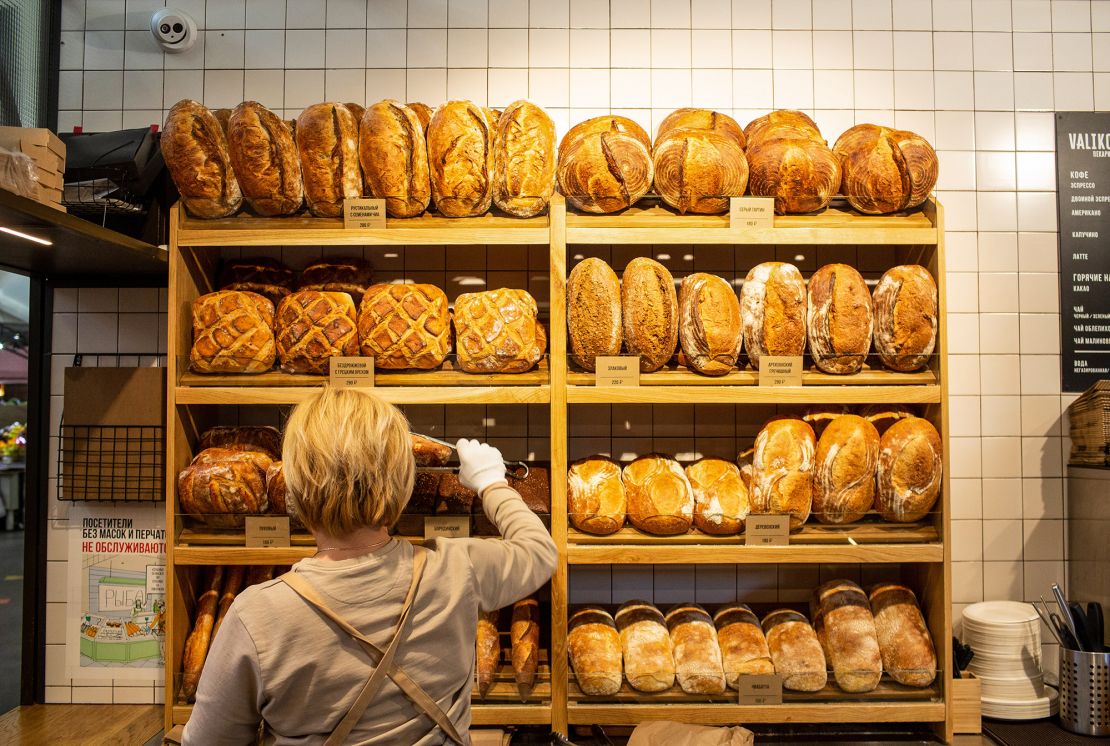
{"type": "Point", "coordinates": [347, 461]}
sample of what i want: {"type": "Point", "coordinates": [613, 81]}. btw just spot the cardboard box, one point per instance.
{"type": "Point", "coordinates": [22, 138]}
{"type": "Point", "coordinates": [50, 179]}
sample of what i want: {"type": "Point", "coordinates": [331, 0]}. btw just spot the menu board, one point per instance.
{"type": "Point", "coordinates": [1083, 205]}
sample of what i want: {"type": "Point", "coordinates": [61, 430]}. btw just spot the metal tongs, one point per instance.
{"type": "Point", "coordinates": [508, 464]}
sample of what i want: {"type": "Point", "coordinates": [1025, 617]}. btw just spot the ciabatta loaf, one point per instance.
{"type": "Point", "coordinates": [594, 645]}
{"type": "Point", "coordinates": [743, 644]}
{"type": "Point", "coordinates": [647, 648]}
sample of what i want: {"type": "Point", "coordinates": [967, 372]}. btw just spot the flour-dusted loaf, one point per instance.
{"type": "Point", "coordinates": [595, 495]}
{"type": "Point", "coordinates": [314, 326]}
{"type": "Point", "coordinates": [795, 651]}
{"type": "Point", "coordinates": [264, 438]}
{"type": "Point", "coordinates": [782, 469]}
{"type": "Point", "coordinates": [838, 319]}
{"type": "Point", "coordinates": [524, 634]}
{"type": "Point", "coordinates": [338, 274]}
{"type": "Point", "coordinates": [327, 141]}
{"type": "Point", "coordinates": [405, 326]}
{"type": "Point", "coordinates": [905, 303]}
{"type": "Point", "coordinates": [843, 622]}
{"type": "Point", "coordinates": [660, 499]}
{"type": "Point", "coordinates": [885, 170]}
{"type": "Point", "coordinates": [773, 311]}
{"type": "Point", "coordinates": [709, 326]}
{"type": "Point", "coordinates": [194, 147]}
{"type": "Point", "coordinates": [742, 642]}
{"type": "Point", "coordinates": [265, 160]}
{"type": "Point", "coordinates": [790, 161]}
{"type": "Point", "coordinates": [224, 481]}
{"type": "Point", "coordinates": [646, 647]}
{"type": "Point", "coordinates": [498, 331]}
{"type": "Point", "coordinates": [487, 650]}
{"type": "Point", "coordinates": [594, 645]}
{"type": "Point", "coordinates": [593, 311]}
{"type": "Point", "coordinates": [524, 160]}
{"type": "Point", "coordinates": [460, 154]}
{"type": "Point", "coordinates": [268, 277]}
{"type": "Point", "coordinates": [233, 332]}
{"type": "Point", "coordinates": [904, 640]}
{"type": "Point", "coordinates": [394, 158]}
{"type": "Point", "coordinates": [649, 310]}
{"type": "Point", "coordinates": [605, 164]}
{"type": "Point", "coordinates": [909, 475]}
{"type": "Point", "coordinates": [702, 119]}
{"type": "Point", "coordinates": [699, 170]}
{"type": "Point", "coordinates": [844, 470]}
{"type": "Point", "coordinates": [720, 496]}
{"type": "Point", "coordinates": [697, 656]}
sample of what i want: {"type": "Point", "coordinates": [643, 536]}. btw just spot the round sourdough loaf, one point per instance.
{"type": "Point", "coordinates": [593, 311]}
{"type": "Point", "coordinates": [699, 170]}
{"type": "Point", "coordinates": [838, 319]}
{"type": "Point", "coordinates": [313, 326]}
{"type": "Point", "coordinates": [720, 496]}
{"type": "Point", "coordinates": [702, 119]}
{"type": "Point", "coordinates": [885, 170]}
{"type": "Point", "coordinates": [909, 474]}
{"type": "Point", "coordinates": [605, 164]}
{"type": "Point", "coordinates": [405, 326]}
{"type": "Point", "coordinates": [595, 495]}
{"type": "Point", "coordinates": [233, 332]}
{"type": "Point", "coordinates": [660, 499]}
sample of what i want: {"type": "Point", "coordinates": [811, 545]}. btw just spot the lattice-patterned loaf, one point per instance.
{"type": "Point", "coordinates": [265, 438]}
{"type": "Point", "coordinates": [233, 332]}
{"type": "Point", "coordinates": [313, 327]}
{"type": "Point", "coordinates": [405, 326]}
{"type": "Point", "coordinates": [267, 277]}
{"type": "Point", "coordinates": [497, 331]}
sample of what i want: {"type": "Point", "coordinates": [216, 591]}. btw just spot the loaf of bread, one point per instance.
{"type": "Point", "coordinates": [222, 115]}
{"type": "Point", "coordinates": [795, 651]}
{"type": "Point", "coordinates": [595, 495]}
{"type": "Point", "coordinates": [265, 160]}
{"type": "Point", "coordinates": [660, 498]}
{"type": "Point", "coordinates": [224, 481]}
{"type": "Point", "coordinates": [525, 636]}
{"type": "Point", "coordinates": [453, 497]}
{"type": "Point", "coordinates": [709, 326]}
{"type": "Point", "coordinates": [314, 326]}
{"type": "Point", "coordinates": [773, 311]}
{"type": "Point", "coordinates": [265, 438]}
{"type": "Point", "coordinates": [698, 170]}
{"type": "Point", "coordinates": [427, 452]}
{"type": "Point", "coordinates": [394, 158]}
{"type": "Point", "coordinates": [338, 274]}
{"type": "Point", "coordinates": [405, 326]}
{"type": "Point", "coordinates": [460, 153]}
{"type": "Point", "coordinates": [844, 470]}
{"type": "Point", "coordinates": [838, 319]}
{"type": "Point", "coordinates": [843, 622]}
{"type": "Point", "coordinates": [268, 277]}
{"type": "Point", "coordinates": [789, 160]}
{"type": "Point", "coordinates": [605, 164]}
{"type": "Point", "coordinates": [233, 332]}
{"type": "Point", "coordinates": [885, 170]}
{"type": "Point", "coordinates": [595, 651]}
{"type": "Point", "coordinates": [720, 496]}
{"type": "Point", "coordinates": [423, 113]}
{"type": "Point", "coordinates": [649, 313]}
{"type": "Point", "coordinates": [782, 123]}
{"type": "Point", "coordinates": [697, 656]}
{"type": "Point", "coordinates": [702, 119]}
{"type": "Point", "coordinates": [233, 583]}
{"type": "Point", "coordinates": [194, 147]}
{"type": "Point", "coordinates": [909, 474]}
{"type": "Point", "coordinates": [904, 640]}
{"type": "Point", "coordinates": [327, 140]}
{"type": "Point", "coordinates": [782, 469]}
{"type": "Point", "coordinates": [523, 160]}
{"type": "Point", "coordinates": [487, 649]}
{"type": "Point", "coordinates": [534, 489]}
{"type": "Point", "coordinates": [277, 498]}
{"type": "Point", "coordinates": [820, 415]}
{"type": "Point", "coordinates": [196, 645]}
{"type": "Point", "coordinates": [593, 311]}
{"type": "Point", "coordinates": [646, 646]}
{"type": "Point", "coordinates": [743, 645]}
{"type": "Point", "coordinates": [498, 331]}
{"type": "Point", "coordinates": [882, 416]}
{"type": "Point", "coordinates": [905, 302]}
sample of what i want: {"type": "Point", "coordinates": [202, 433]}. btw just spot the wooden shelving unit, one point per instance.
{"type": "Point", "coordinates": [921, 548]}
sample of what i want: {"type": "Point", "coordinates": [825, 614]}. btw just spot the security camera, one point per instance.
{"type": "Point", "coordinates": [174, 30]}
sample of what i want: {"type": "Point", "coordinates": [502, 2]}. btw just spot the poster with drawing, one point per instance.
{"type": "Point", "coordinates": [116, 608]}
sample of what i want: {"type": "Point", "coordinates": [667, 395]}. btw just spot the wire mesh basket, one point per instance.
{"type": "Point", "coordinates": [117, 463]}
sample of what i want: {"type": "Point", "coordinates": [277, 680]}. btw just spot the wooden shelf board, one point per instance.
{"type": "Point", "coordinates": [678, 376]}
{"type": "Point", "coordinates": [727, 394]}
{"type": "Point", "coordinates": [442, 377]}
{"type": "Point", "coordinates": [393, 394]}
{"type": "Point", "coordinates": [304, 230]}
{"type": "Point", "coordinates": [487, 714]}
{"type": "Point", "coordinates": [225, 547]}
{"type": "Point", "coordinates": [730, 714]}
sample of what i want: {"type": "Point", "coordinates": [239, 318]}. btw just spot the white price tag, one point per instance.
{"type": "Point", "coordinates": [363, 213]}
{"type": "Point", "coordinates": [351, 371]}
{"type": "Point", "coordinates": [761, 689]}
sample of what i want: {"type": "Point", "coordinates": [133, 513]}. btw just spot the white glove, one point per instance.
{"type": "Point", "coordinates": [480, 465]}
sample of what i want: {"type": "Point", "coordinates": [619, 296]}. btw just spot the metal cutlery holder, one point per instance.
{"type": "Point", "coordinates": [1085, 692]}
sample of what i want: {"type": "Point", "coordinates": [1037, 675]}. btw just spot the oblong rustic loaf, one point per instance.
{"type": "Point", "coordinates": [394, 158]}
{"type": "Point", "coordinates": [647, 648]}
{"type": "Point", "coordinates": [595, 495]}
{"type": "Point", "coordinates": [649, 311]}
{"type": "Point", "coordinates": [698, 170]}
{"type": "Point", "coordinates": [224, 481]}
{"type": "Point", "coordinates": [909, 474]}
{"type": "Point", "coordinates": [743, 644]}
{"type": "Point", "coordinates": [844, 625]}
{"type": "Point", "coordinates": [904, 640]}
{"type": "Point", "coordinates": [721, 500]}
{"type": "Point", "coordinates": [593, 311]}
{"type": "Point", "coordinates": [844, 470]}
{"type": "Point", "coordinates": [838, 319]}
{"type": "Point", "coordinates": [264, 438]}
{"type": "Point", "coordinates": [487, 649]}
{"type": "Point", "coordinates": [782, 469]}
{"type": "Point", "coordinates": [595, 651]}
{"type": "Point", "coordinates": [709, 326]}
{"type": "Point", "coordinates": [702, 119]}
{"type": "Point", "coordinates": [265, 160]}
{"type": "Point", "coordinates": [795, 651]}
{"type": "Point", "coordinates": [194, 147]}
{"type": "Point", "coordinates": [905, 306]}
{"type": "Point", "coordinates": [460, 157]}
{"type": "Point", "coordinates": [660, 499]}
{"type": "Point", "coordinates": [524, 160]}
{"type": "Point", "coordinates": [327, 141]}
{"type": "Point", "coordinates": [773, 311]}
{"type": "Point", "coordinates": [524, 634]}
{"type": "Point", "coordinates": [697, 656]}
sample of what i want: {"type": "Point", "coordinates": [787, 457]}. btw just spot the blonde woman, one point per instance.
{"type": "Point", "coordinates": [370, 641]}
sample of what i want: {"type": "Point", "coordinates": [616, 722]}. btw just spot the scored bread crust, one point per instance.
{"type": "Point", "coordinates": [660, 498]}
{"type": "Point", "coordinates": [709, 327]}
{"type": "Point", "coordinates": [327, 141]}
{"type": "Point", "coordinates": [595, 651]}
{"type": "Point", "coordinates": [604, 172]}
{"type": "Point", "coordinates": [905, 310]}
{"type": "Point", "coordinates": [194, 146]}
{"type": "Point", "coordinates": [593, 311]}
{"type": "Point", "coordinates": [702, 119]}
{"type": "Point", "coordinates": [394, 158]}
{"type": "Point", "coordinates": [313, 326]}
{"type": "Point", "coordinates": [838, 319]}
{"type": "Point", "coordinates": [844, 470]}
{"type": "Point", "coordinates": [909, 473]}
{"type": "Point", "coordinates": [742, 642]}
{"type": "Point", "coordinates": [904, 640]}
{"type": "Point", "coordinates": [405, 326]}
{"type": "Point", "coordinates": [885, 170]}
{"type": "Point", "coordinates": [498, 331]}
{"type": "Point", "coordinates": [460, 159]}
{"type": "Point", "coordinates": [595, 495]}
{"type": "Point", "coordinates": [264, 438]}
{"type": "Point", "coordinates": [646, 645]}
{"type": "Point", "coordinates": [524, 160]}
{"type": "Point", "coordinates": [265, 160]}
{"type": "Point", "coordinates": [721, 500]}
{"type": "Point", "coordinates": [524, 635]}
{"type": "Point", "coordinates": [267, 277]}
{"type": "Point", "coordinates": [233, 332]}
{"type": "Point", "coordinates": [649, 311]}
{"type": "Point", "coordinates": [487, 650]}
{"type": "Point", "coordinates": [846, 629]}
{"type": "Point", "coordinates": [782, 469]}
{"type": "Point", "coordinates": [605, 124]}
{"type": "Point", "coordinates": [773, 311]}
{"type": "Point", "coordinates": [775, 123]}
{"type": "Point", "coordinates": [699, 170]}
{"type": "Point", "coordinates": [801, 174]}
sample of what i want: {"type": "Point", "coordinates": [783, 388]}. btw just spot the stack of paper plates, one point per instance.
{"type": "Point", "coordinates": [1006, 638]}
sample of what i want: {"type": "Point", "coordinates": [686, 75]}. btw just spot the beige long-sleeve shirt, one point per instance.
{"type": "Point", "coordinates": [276, 658]}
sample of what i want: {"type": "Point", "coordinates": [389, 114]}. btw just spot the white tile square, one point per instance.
{"type": "Point", "coordinates": [793, 89]}
{"type": "Point", "coordinates": [467, 47]}
{"type": "Point", "coordinates": [72, 53]}
{"type": "Point", "coordinates": [467, 84]}
{"type": "Point", "coordinates": [913, 50]}
{"type": "Point", "coordinates": [872, 14]}
{"type": "Point", "coordinates": [1031, 15]}
{"type": "Point", "coordinates": [994, 130]}
{"type": "Point", "coordinates": [382, 84]}
{"type": "Point", "coordinates": [267, 87]}
{"type": "Point", "coordinates": [963, 292]}
{"type": "Point", "coordinates": [912, 15]}
{"type": "Point", "coordinates": [752, 13]}
{"type": "Point", "coordinates": [349, 84]}
{"type": "Point", "coordinates": [590, 48]}
{"type": "Point", "coordinates": [967, 499]}
{"type": "Point", "coordinates": [427, 14]}
{"type": "Point", "coordinates": [963, 333]}
{"type": "Point", "coordinates": [965, 458]}
{"type": "Point", "coordinates": [103, 50]}
{"type": "Point", "coordinates": [1035, 131]}
{"type": "Point", "coordinates": [913, 89]}
{"type": "Point", "coordinates": [1001, 415]}
{"type": "Point", "coordinates": [706, 14]}
{"type": "Point", "coordinates": [631, 48]}
{"type": "Point", "coordinates": [953, 51]}
{"type": "Point", "coordinates": [92, 694]}
{"type": "Point", "coordinates": [792, 50]}
{"type": "Point", "coordinates": [967, 582]}
{"type": "Point", "coordinates": [669, 14]}
{"type": "Point", "coordinates": [1039, 292]}
{"type": "Point", "coordinates": [1071, 52]}
{"type": "Point", "coordinates": [832, 50]}
{"type": "Point", "coordinates": [179, 84]}
{"type": "Point", "coordinates": [304, 48]}
{"type": "Point", "coordinates": [1032, 52]}
{"type": "Point", "coordinates": [266, 14]}
{"type": "Point", "coordinates": [1073, 91]}
{"type": "Point", "coordinates": [590, 14]}
{"type": "Point", "coordinates": [141, 52]}
{"type": "Point", "coordinates": [991, 15]}
{"type": "Point", "coordinates": [73, 15]}
{"type": "Point", "coordinates": [670, 87]}
{"type": "Point", "coordinates": [303, 88]}
{"type": "Point", "coordinates": [874, 89]}
{"type": "Point", "coordinates": [873, 50]}
{"type": "Point", "coordinates": [1033, 91]}
{"type": "Point", "coordinates": [591, 584]}
{"type": "Point", "coordinates": [1101, 57]}
{"type": "Point", "coordinates": [589, 88]}
{"type": "Point", "coordinates": [346, 14]}
{"type": "Point", "coordinates": [962, 254]}
{"type": "Point", "coordinates": [1003, 580]}
{"type": "Point", "coordinates": [142, 89]}
{"type": "Point", "coordinates": [427, 48]}
{"type": "Point", "coordinates": [1040, 333]}
{"type": "Point", "coordinates": [104, 14]}
{"type": "Point", "coordinates": [69, 89]}
{"type": "Point", "coordinates": [1037, 211]}
{"type": "Point", "coordinates": [670, 48]}
{"type": "Point", "coordinates": [304, 14]}
{"type": "Point", "coordinates": [963, 374]}
{"type": "Point", "coordinates": [967, 541]}
{"type": "Point", "coordinates": [753, 88]}
{"type": "Point", "coordinates": [467, 13]}
{"type": "Point", "coordinates": [993, 51]}
{"type": "Point", "coordinates": [1042, 498]}
{"type": "Point", "coordinates": [549, 48]}
{"type": "Point", "coordinates": [549, 86]}
{"type": "Point", "coordinates": [265, 49]}
{"type": "Point", "coordinates": [1071, 15]}
{"type": "Point", "coordinates": [999, 375]}
{"type": "Point", "coordinates": [1040, 374]}
{"type": "Point", "coordinates": [997, 211]}
{"type": "Point", "coordinates": [955, 130]}
{"type": "Point", "coordinates": [998, 294]}
{"type": "Point", "coordinates": [964, 416]}
{"type": "Point", "coordinates": [751, 49]}
{"type": "Point", "coordinates": [1100, 17]}
{"type": "Point", "coordinates": [952, 15]}
{"type": "Point", "coordinates": [998, 253]}
{"type": "Point", "coordinates": [1036, 171]}
{"type": "Point", "coordinates": [994, 91]}
{"type": "Point", "coordinates": [1044, 539]}
{"type": "Point", "coordinates": [223, 91]}
{"type": "Point", "coordinates": [791, 14]}
{"type": "Point", "coordinates": [508, 48]}
{"type": "Point", "coordinates": [225, 14]}
{"type": "Point", "coordinates": [55, 660]}
{"type": "Point", "coordinates": [103, 89]}
{"type": "Point", "coordinates": [630, 88]}
{"type": "Point", "coordinates": [1002, 540]}
{"type": "Point", "coordinates": [954, 90]}
{"type": "Point", "coordinates": [631, 582]}
{"type": "Point", "coordinates": [833, 89]}
{"type": "Point", "coordinates": [1041, 457]}
{"type": "Point", "coordinates": [998, 332]}
{"type": "Point", "coordinates": [630, 13]}
{"type": "Point", "coordinates": [345, 48]}
{"type": "Point", "coordinates": [506, 85]}
{"type": "Point", "coordinates": [959, 209]}
{"type": "Point", "coordinates": [382, 14]}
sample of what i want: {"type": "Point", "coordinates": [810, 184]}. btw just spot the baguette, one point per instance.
{"type": "Point", "coordinates": [525, 636]}
{"type": "Point", "coordinates": [795, 651]}
{"type": "Point", "coordinates": [697, 654]}
{"type": "Point", "coordinates": [196, 646]}
{"type": "Point", "coordinates": [904, 640]}
{"type": "Point", "coordinates": [595, 651]}
{"type": "Point", "coordinates": [487, 649]}
{"type": "Point", "coordinates": [743, 645]}
{"type": "Point", "coordinates": [647, 648]}
{"type": "Point", "coordinates": [846, 629]}
{"type": "Point", "coordinates": [233, 583]}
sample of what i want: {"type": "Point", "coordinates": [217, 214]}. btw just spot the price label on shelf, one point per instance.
{"type": "Point", "coordinates": [446, 526]}
{"type": "Point", "coordinates": [363, 213]}
{"type": "Point", "coordinates": [351, 371]}
{"type": "Point", "coordinates": [767, 530]}
{"type": "Point", "coordinates": [751, 212]}
{"type": "Point", "coordinates": [268, 531]}
{"type": "Point", "coordinates": [761, 689]}
{"type": "Point", "coordinates": [780, 370]}
{"type": "Point", "coordinates": [622, 370]}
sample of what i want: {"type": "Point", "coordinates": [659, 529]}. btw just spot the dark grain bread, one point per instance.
{"type": "Point", "coordinates": [649, 307]}
{"type": "Point", "coordinates": [593, 311]}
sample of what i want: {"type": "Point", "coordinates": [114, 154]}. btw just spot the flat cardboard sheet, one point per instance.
{"type": "Point", "coordinates": [666, 733]}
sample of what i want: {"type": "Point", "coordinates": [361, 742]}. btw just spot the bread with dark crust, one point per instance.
{"type": "Point", "coordinates": [265, 438]}
{"type": "Point", "coordinates": [743, 644]}
{"type": "Point", "coordinates": [195, 150]}
{"type": "Point", "coordinates": [267, 277]}
{"type": "Point", "coordinates": [593, 312]}
{"type": "Point", "coordinates": [338, 274]}
{"type": "Point", "coordinates": [327, 141]}
{"type": "Point", "coordinates": [524, 160]}
{"type": "Point", "coordinates": [649, 313]}
{"type": "Point", "coordinates": [394, 158]}
{"type": "Point", "coordinates": [265, 160]}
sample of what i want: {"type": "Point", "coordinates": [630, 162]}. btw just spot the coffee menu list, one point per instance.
{"type": "Point", "coordinates": [1083, 206]}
